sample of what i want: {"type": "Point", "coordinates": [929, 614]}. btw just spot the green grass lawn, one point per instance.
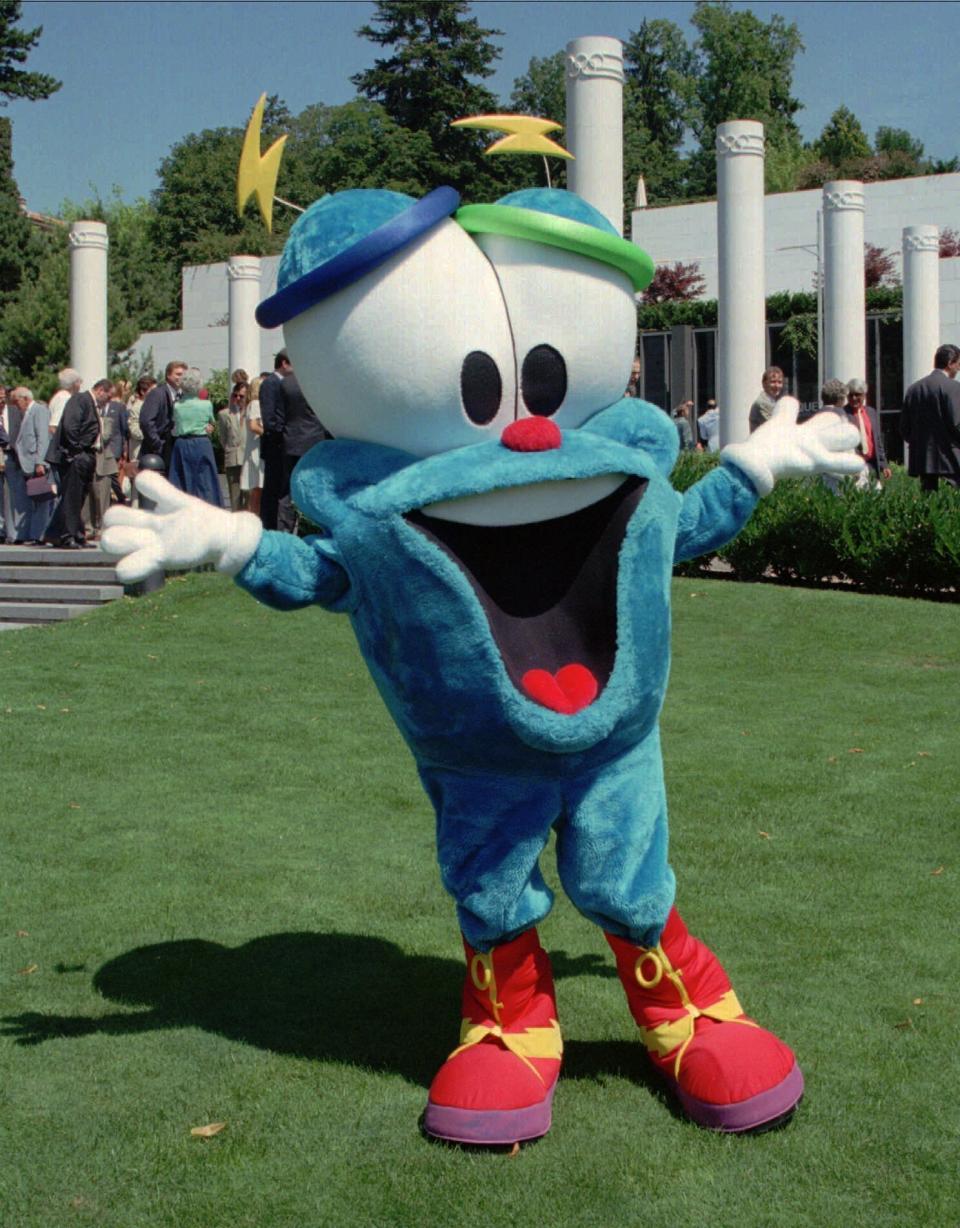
{"type": "Point", "coordinates": [219, 903]}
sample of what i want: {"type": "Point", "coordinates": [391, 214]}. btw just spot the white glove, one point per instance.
{"type": "Point", "coordinates": [781, 449]}
{"type": "Point", "coordinates": [182, 532]}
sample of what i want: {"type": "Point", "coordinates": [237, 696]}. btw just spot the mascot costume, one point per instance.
{"type": "Point", "coordinates": [499, 527]}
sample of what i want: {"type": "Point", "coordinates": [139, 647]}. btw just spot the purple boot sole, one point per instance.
{"type": "Point", "coordinates": [753, 1114]}
{"type": "Point", "coordinates": [488, 1127]}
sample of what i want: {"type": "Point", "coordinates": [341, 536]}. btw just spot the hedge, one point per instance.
{"type": "Point", "coordinates": [897, 540]}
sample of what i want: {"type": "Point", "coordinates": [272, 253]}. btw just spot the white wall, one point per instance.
{"type": "Point", "coordinates": [689, 233]}
{"type": "Point", "coordinates": [203, 339]}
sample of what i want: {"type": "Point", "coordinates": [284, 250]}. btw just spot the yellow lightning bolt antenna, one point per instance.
{"type": "Point", "coordinates": [527, 134]}
{"type": "Point", "coordinates": [257, 175]}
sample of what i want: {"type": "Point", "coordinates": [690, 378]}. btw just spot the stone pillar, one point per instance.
{"type": "Point", "coordinates": [594, 133]}
{"type": "Point", "coordinates": [88, 300]}
{"type": "Point", "coordinates": [921, 301]}
{"type": "Point", "coordinates": [741, 305]}
{"type": "Point", "coordinates": [243, 337]}
{"type": "Point", "coordinates": [844, 293]}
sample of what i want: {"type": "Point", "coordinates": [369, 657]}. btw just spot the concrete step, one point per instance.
{"type": "Point", "coordinates": [70, 593]}
{"type": "Point", "coordinates": [88, 556]}
{"type": "Point", "coordinates": [56, 574]}
{"type": "Point", "coordinates": [40, 612]}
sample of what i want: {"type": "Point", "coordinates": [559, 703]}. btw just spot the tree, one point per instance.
{"type": "Point", "coordinates": [898, 140]}
{"type": "Point", "coordinates": [745, 71]}
{"type": "Point", "coordinates": [949, 243]}
{"type": "Point", "coordinates": [843, 141]}
{"type": "Point", "coordinates": [660, 71]}
{"type": "Point", "coordinates": [356, 145]}
{"type": "Point", "coordinates": [430, 80]}
{"type": "Point", "coordinates": [195, 206]}
{"type": "Point", "coordinates": [879, 265]}
{"type": "Point", "coordinates": [16, 234]}
{"type": "Point", "coordinates": [675, 283]}
{"type": "Point", "coordinates": [542, 90]}
{"type": "Point", "coordinates": [15, 46]}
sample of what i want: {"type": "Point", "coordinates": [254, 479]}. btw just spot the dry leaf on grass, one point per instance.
{"type": "Point", "coordinates": [23, 933]}
{"type": "Point", "coordinates": [923, 754]}
{"type": "Point", "coordinates": [765, 835]}
{"type": "Point", "coordinates": [905, 1025]}
{"type": "Point", "coordinates": [29, 970]}
{"type": "Point", "coordinates": [73, 805]}
{"type": "Point", "coordinates": [918, 1001]}
{"type": "Point", "coordinates": [855, 750]}
{"type": "Point", "coordinates": [208, 1131]}
{"type": "Point", "coordinates": [937, 872]}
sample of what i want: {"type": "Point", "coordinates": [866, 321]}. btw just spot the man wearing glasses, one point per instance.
{"type": "Point", "coordinates": [865, 418]}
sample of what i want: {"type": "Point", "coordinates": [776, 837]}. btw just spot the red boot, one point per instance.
{"type": "Point", "coordinates": [497, 1087]}
{"type": "Point", "coordinates": [728, 1073]}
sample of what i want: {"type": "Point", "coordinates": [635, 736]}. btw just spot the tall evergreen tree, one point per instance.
{"type": "Point", "coordinates": [430, 78]}
{"type": "Point", "coordinates": [15, 46]}
{"type": "Point", "coordinates": [16, 238]}
{"type": "Point", "coordinates": [660, 73]}
{"type": "Point", "coordinates": [843, 139]}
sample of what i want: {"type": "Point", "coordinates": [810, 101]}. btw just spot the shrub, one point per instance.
{"type": "Point", "coordinates": [895, 540]}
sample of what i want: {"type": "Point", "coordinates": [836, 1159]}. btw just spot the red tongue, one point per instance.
{"type": "Point", "coordinates": [566, 691]}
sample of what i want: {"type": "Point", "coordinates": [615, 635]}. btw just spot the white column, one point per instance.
{"type": "Point", "coordinates": [88, 300]}
{"type": "Point", "coordinates": [741, 305]}
{"type": "Point", "coordinates": [844, 293]}
{"type": "Point", "coordinates": [243, 337]}
{"type": "Point", "coordinates": [594, 132]}
{"type": "Point", "coordinates": [921, 301]}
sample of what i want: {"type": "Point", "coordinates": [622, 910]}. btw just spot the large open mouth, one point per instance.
{"type": "Point", "coordinates": [549, 591]}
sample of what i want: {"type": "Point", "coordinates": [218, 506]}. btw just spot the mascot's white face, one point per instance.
{"type": "Point", "coordinates": [454, 338]}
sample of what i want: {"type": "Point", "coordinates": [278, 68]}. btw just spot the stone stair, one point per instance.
{"type": "Point", "coordinates": [40, 584]}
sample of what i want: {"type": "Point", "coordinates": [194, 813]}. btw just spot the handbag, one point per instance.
{"type": "Point", "coordinates": [40, 488]}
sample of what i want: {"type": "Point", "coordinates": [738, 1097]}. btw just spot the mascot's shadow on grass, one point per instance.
{"type": "Point", "coordinates": [304, 995]}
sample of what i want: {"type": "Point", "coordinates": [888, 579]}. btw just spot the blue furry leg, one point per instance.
{"type": "Point", "coordinates": [611, 824]}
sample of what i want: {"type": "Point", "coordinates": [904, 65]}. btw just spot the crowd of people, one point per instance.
{"type": "Point", "coordinates": [63, 464]}
{"type": "Point", "coordinates": [929, 421]}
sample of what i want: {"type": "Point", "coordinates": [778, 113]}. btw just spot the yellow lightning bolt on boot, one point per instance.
{"type": "Point", "coordinates": [257, 175]}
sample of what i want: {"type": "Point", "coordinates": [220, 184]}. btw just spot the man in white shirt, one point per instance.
{"type": "Point", "coordinates": [69, 382]}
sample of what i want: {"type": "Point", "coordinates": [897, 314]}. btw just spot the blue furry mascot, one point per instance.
{"type": "Point", "coordinates": [499, 527]}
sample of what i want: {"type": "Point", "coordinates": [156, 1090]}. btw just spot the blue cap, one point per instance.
{"type": "Point", "coordinates": [342, 237]}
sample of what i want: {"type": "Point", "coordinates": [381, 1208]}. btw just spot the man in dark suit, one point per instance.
{"type": "Point", "coordinates": [74, 452]}
{"type": "Point", "coordinates": [156, 413]}
{"type": "Point", "coordinates": [930, 422]}
{"type": "Point", "coordinates": [301, 430]}
{"type": "Point", "coordinates": [271, 441]}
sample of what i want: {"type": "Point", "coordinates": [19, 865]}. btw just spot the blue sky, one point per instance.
{"type": "Point", "coordinates": [139, 76]}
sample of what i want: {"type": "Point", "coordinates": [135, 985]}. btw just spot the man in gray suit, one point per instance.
{"type": "Point", "coordinates": [31, 448]}
{"type": "Point", "coordinates": [930, 422]}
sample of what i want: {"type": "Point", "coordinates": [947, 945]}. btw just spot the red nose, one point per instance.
{"type": "Point", "coordinates": [531, 435]}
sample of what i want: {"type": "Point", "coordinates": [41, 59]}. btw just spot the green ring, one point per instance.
{"type": "Point", "coordinates": [562, 232]}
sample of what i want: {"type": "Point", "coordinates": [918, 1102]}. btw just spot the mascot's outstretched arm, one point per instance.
{"type": "Point", "coordinates": [782, 449]}
{"type": "Point", "coordinates": [185, 532]}
{"type": "Point", "coordinates": [717, 507]}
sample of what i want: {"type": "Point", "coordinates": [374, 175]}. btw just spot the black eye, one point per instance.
{"type": "Point", "coordinates": [543, 380]}
{"type": "Point", "coordinates": [480, 387]}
